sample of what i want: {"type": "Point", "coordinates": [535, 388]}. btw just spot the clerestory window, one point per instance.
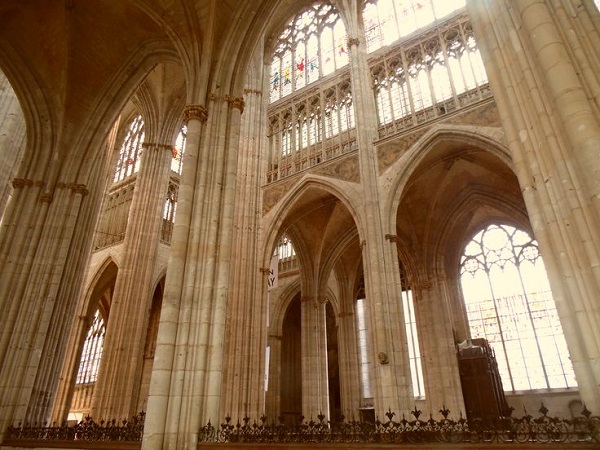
{"type": "Point", "coordinates": [130, 151]}
{"type": "Point", "coordinates": [386, 21]}
{"type": "Point", "coordinates": [509, 303]}
{"type": "Point", "coordinates": [442, 69]}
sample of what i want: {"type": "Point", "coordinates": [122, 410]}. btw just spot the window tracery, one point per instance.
{"type": "Point", "coordinates": [312, 46]}
{"type": "Point", "coordinates": [130, 151]}
{"type": "Point", "coordinates": [92, 351]}
{"type": "Point", "coordinates": [508, 302]}
{"type": "Point", "coordinates": [314, 128]}
{"type": "Point", "coordinates": [386, 21]}
{"type": "Point", "coordinates": [178, 150]}
{"type": "Point", "coordinates": [444, 68]}
{"type": "Point", "coordinates": [169, 211]}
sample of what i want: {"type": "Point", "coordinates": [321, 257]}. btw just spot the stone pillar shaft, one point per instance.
{"type": "Point", "coordinates": [246, 338]}
{"type": "Point", "coordinates": [315, 388]}
{"type": "Point", "coordinates": [542, 104]}
{"type": "Point", "coordinates": [392, 382]}
{"type": "Point", "coordinates": [117, 387]}
{"type": "Point", "coordinates": [37, 286]}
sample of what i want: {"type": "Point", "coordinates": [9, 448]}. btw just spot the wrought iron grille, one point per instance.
{"type": "Point", "coordinates": [543, 429]}
{"type": "Point", "coordinates": [87, 430]}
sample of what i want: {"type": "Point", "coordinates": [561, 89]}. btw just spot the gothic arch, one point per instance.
{"type": "Point", "coordinates": [485, 139]}
{"type": "Point", "coordinates": [276, 219]}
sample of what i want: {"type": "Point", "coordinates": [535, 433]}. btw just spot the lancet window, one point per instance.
{"type": "Point", "coordinates": [130, 151]}
{"type": "Point", "coordinates": [92, 351]}
{"type": "Point", "coordinates": [410, 326]}
{"type": "Point", "coordinates": [509, 303]}
{"type": "Point", "coordinates": [178, 149]}
{"type": "Point", "coordinates": [169, 211]}
{"type": "Point", "coordinates": [311, 46]}
{"type": "Point", "coordinates": [386, 21]}
{"type": "Point", "coordinates": [443, 68]}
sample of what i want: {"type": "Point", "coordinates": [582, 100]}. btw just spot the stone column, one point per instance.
{"type": "Point", "coordinates": [315, 386]}
{"type": "Point", "coordinates": [348, 362]}
{"type": "Point", "coordinates": [273, 394]}
{"type": "Point", "coordinates": [185, 391]}
{"type": "Point", "coordinates": [12, 138]}
{"type": "Point", "coordinates": [164, 400]}
{"type": "Point", "coordinates": [392, 382]}
{"type": "Point", "coordinates": [440, 364]}
{"type": "Point", "coordinates": [41, 250]}
{"type": "Point", "coordinates": [545, 97]}
{"type": "Point", "coordinates": [117, 387]}
{"type": "Point", "coordinates": [247, 323]}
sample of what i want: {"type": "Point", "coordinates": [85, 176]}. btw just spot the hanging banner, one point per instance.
{"type": "Point", "coordinates": [273, 273]}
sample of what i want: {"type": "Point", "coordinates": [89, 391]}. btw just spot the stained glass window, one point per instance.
{"type": "Point", "coordinates": [177, 161]}
{"type": "Point", "coordinates": [386, 21]}
{"type": "Point", "coordinates": [311, 46]}
{"type": "Point", "coordinates": [509, 303]}
{"type": "Point", "coordinates": [130, 151]}
{"type": "Point", "coordinates": [92, 351]}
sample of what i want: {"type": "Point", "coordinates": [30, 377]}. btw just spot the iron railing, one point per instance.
{"type": "Point", "coordinates": [86, 430]}
{"type": "Point", "coordinates": [543, 429]}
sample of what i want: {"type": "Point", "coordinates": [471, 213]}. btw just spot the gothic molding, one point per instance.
{"type": "Point", "coordinates": [197, 112]}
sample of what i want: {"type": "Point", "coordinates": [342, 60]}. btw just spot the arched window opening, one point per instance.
{"type": "Point", "coordinates": [364, 352]}
{"type": "Point", "coordinates": [508, 302]}
{"type": "Point", "coordinates": [410, 325]}
{"type": "Point", "coordinates": [92, 351]}
{"type": "Point", "coordinates": [311, 46]}
{"type": "Point", "coordinates": [128, 161]}
{"type": "Point", "coordinates": [177, 161]}
{"type": "Point", "coordinates": [169, 211]}
{"type": "Point", "coordinates": [286, 255]}
{"type": "Point", "coordinates": [386, 21]}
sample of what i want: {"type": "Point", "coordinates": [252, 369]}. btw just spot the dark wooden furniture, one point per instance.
{"type": "Point", "coordinates": [481, 384]}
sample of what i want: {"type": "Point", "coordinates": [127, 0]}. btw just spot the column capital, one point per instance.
{"type": "Point", "coordinates": [21, 182]}
{"type": "Point", "coordinates": [352, 41]}
{"type": "Point", "coordinates": [197, 112]}
{"type": "Point", "coordinates": [156, 146]}
{"type": "Point", "coordinates": [253, 91]}
{"type": "Point", "coordinates": [232, 102]}
{"type": "Point", "coordinates": [236, 102]}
